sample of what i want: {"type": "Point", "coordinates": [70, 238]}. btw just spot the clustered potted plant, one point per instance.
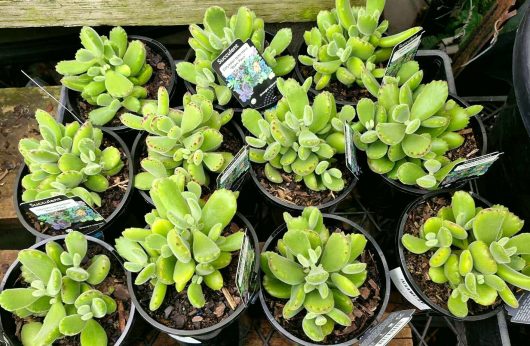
{"type": "Point", "coordinates": [194, 268]}
{"type": "Point", "coordinates": [462, 255]}
{"type": "Point", "coordinates": [112, 74]}
{"type": "Point", "coordinates": [192, 138]}
{"type": "Point", "coordinates": [73, 160]}
{"type": "Point", "coordinates": [416, 133]}
{"type": "Point", "coordinates": [217, 34]}
{"type": "Point", "coordinates": [66, 290]}
{"type": "Point", "coordinates": [347, 48]}
{"type": "Point", "coordinates": [298, 148]}
{"type": "Point", "coordinates": [313, 278]}
{"type": "Point", "coordinates": [183, 265]}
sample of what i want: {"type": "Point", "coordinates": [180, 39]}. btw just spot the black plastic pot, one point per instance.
{"type": "Point", "coordinates": [203, 334]}
{"type": "Point", "coordinates": [382, 268]}
{"type": "Point", "coordinates": [436, 65]}
{"type": "Point", "coordinates": [482, 142]}
{"type": "Point", "coordinates": [119, 213]}
{"type": "Point", "coordinates": [7, 321]}
{"type": "Point", "coordinates": [283, 204]}
{"type": "Point", "coordinates": [122, 130]}
{"type": "Point", "coordinates": [234, 104]}
{"type": "Point", "coordinates": [401, 254]}
{"type": "Point", "coordinates": [139, 147]}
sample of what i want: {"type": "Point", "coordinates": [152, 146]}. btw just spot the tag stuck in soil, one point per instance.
{"type": "Point", "coordinates": [245, 72]}
{"type": "Point", "coordinates": [245, 274]}
{"type": "Point", "coordinates": [63, 213]}
{"type": "Point", "coordinates": [233, 175]}
{"type": "Point", "coordinates": [351, 157]}
{"type": "Point", "coordinates": [471, 168]}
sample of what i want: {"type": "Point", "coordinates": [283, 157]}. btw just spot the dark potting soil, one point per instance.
{"type": "Point", "coordinates": [365, 307]}
{"type": "Point", "coordinates": [418, 265]}
{"type": "Point", "coordinates": [161, 77]}
{"type": "Point", "coordinates": [341, 92]}
{"type": "Point", "coordinates": [298, 193]}
{"type": "Point", "coordinates": [177, 312]}
{"type": "Point", "coordinates": [467, 150]}
{"type": "Point", "coordinates": [115, 285]}
{"type": "Point", "coordinates": [110, 199]}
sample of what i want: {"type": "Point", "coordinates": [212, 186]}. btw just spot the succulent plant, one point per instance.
{"type": "Point", "coordinates": [217, 34]}
{"type": "Point", "coordinates": [476, 251]}
{"type": "Point", "coordinates": [299, 138]}
{"type": "Point", "coordinates": [348, 44]}
{"type": "Point", "coordinates": [187, 138]}
{"type": "Point", "coordinates": [409, 129]}
{"type": "Point", "coordinates": [67, 161]}
{"type": "Point", "coordinates": [317, 271]}
{"type": "Point", "coordinates": [61, 290]}
{"type": "Point", "coordinates": [184, 244]}
{"type": "Point", "coordinates": [108, 72]}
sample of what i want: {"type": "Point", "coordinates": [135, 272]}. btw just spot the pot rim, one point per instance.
{"type": "Point", "coordinates": [294, 207]}
{"type": "Point", "coordinates": [162, 50]}
{"type": "Point", "coordinates": [16, 264]}
{"type": "Point", "coordinates": [208, 330]}
{"type": "Point", "coordinates": [108, 220]}
{"type": "Point", "coordinates": [386, 284]}
{"type": "Point", "coordinates": [402, 262]}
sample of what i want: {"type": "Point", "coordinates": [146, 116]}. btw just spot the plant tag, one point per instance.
{"type": "Point", "coordinates": [63, 213]}
{"type": "Point", "coordinates": [406, 291]}
{"type": "Point", "coordinates": [522, 313]}
{"type": "Point", "coordinates": [232, 176]}
{"type": "Point", "coordinates": [245, 72]}
{"type": "Point", "coordinates": [382, 333]}
{"type": "Point", "coordinates": [351, 157]}
{"type": "Point", "coordinates": [471, 168]}
{"type": "Point", "coordinates": [402, 53]}
{"type": "Point", "coordinates": [245, 276]}
{"type": "Point", "coordinates": [185, 339]}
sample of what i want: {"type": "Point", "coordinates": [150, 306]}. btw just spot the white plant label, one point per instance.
{"type": "Point", "coordinates": [406, 291]}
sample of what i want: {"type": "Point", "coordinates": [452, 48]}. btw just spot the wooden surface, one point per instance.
{"type": "Point", "coordinates": [483, 34]}
{"type": "Point", "coordinates": [17, 109]}
{"type": "Point", "coordinates": [36, 13]}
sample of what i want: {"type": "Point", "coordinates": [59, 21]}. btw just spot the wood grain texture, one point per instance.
{"type": "Point", "coordinates": [37, 13]}
{"type": "Point", "coordinates": [17, 109]}
{"type": "Point", "coordinates": [6, 258]}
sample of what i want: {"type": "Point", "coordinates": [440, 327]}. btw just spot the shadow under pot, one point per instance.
{"type": "Point", "coordinates": [117, 325]}
{"type": "Point", "coordinates": [295, 196]}
{"type": "Point", "coordinates": [233, 103]}
{"type": "Point", "coordinates": [415, 267]}
{"type": "Point", "coordinates": [435, 64]}
{"type": "Point", "coordinates": [182, 321]}
{"type": "Point", "coordinates": [164, 74]}
{"type": "Point", "coordinates": [376, 288]}
{"type": "Point", "coordinates": [475, 144]}
{"type": "Point", "coordinates": [233, 141]}
{"type": "Point", "coordinates": [114, 200]}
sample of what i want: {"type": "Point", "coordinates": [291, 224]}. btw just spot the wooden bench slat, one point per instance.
{"type": "Point", "coordinates": [11, 131]}
{"type": "Point", "coordinates": [37, 13]}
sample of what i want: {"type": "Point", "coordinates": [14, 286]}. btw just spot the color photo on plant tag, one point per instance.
{"type": "Point", "coordinates": [62, 212]}
{"type": "Point", "coordinates": [471, 168]}
{"type": "Point", "coordinates": [247, 74]}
